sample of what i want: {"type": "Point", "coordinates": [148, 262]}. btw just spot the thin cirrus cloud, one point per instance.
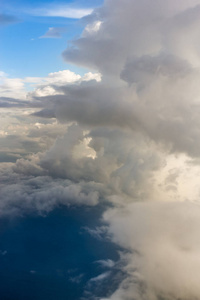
{"type": "Point", "coordinates": [63, 11]}
{"type": "Point", "coordinates": [6, 19]}
{"type": "Point", "coordinates": [53, 33]}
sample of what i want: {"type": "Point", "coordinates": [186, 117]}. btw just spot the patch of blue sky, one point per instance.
{"type": "Point", "coordinates": [24, 5]}
{"type": "Point", "coordinates": [23, 52]}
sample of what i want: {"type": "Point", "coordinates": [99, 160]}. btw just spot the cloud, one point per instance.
{"type": "Point", "coordinates": [53, 83]}
{"type": "Point", "coordinates": [12, 88]}
{"type": "Point", "coordinates": [109, 263]}
{"type": "Point", "coordinates": [77, 279]}
{"type": "Point", "coordinates": [53, 32]}
{"type": "Point", "coordinates": [111, 46]}
{"type": "Point", "coordinates": [158, 236]}
{"type": "Point", "coordinates": [39, 193]}
{"type": "Point", "coordinates": [63, 11]}
{"type": "Point", "coordinates": [100, 277]}
{"type": "Point", "coordinates": [130, 139]}
{"type": "Point", "coordinates": [162, 116]}
{"type": "Point", "coordinates": [98, 233]}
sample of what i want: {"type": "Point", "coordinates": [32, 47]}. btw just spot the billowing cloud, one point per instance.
{"type": "Point", "coordinates": [155, 27]}
{"type": "Point", "coordinates": [16, 88]}
{"type": "Point", "coordinates": [163, 243]}
{"type": "Point", "coordinates": [130, 139]}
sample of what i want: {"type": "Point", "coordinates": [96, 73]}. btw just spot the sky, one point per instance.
{"type": "Point", "coordinates": [100, 150]}
{"type": "Point", "coordinates": [34, 34]}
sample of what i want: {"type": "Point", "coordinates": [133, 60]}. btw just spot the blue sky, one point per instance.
{"type": "Point", "coordinates": [23, 51]}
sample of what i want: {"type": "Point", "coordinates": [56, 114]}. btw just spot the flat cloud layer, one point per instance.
{"type": "Point", "coordinates": [129, 136]}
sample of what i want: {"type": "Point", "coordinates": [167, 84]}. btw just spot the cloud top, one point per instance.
{"type": "Point", "coordinates": [130, 138]}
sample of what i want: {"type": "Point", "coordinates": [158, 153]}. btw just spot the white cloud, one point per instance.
{"type": "Point", "coordinates": [131, 139]}
{"type": "Point", "coordinates": [163, 242]}
{"type": "Point", "coordinates": [108, 263]}
{"type": "Point", "coordinates": [18, 87]}
{"type": "Point", "coordinates": [53, 32]}
{"type": "Point", "coordinates": [11, 87]}
{"type": "Point", "coordinates": [2, 74]}
{"type": "Point", "coordinates": [98, 233]}
{"type": "Point", "coordinates": [100, 277]}
{"type": "Point", "coordinates": [92, 28]}
{"type": "Point", "coordinates": [63, 11]}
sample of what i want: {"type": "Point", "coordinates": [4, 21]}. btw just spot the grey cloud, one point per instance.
{"type": "Point", "coordinates": [114, 168]}
{"type": "Point", "coordinates": [146, 68]}
{"type": "Point", "coordinates": [99, 233]}
{"type": "Point", "coordinates": [12, 102]}
{"type": "Point", "coordinates": [45, 113]}
{"type": "Point", "coordinates": [110, 47]}
{"type": "Point", "coordinates": [40, 193]}
{"type": "Point", "coordinates": [162, 115]}
{"type": "Point", "coordinates": [130, 140]}
{"type": "Point", "coordinates": [21, 135]}
{"type": "Point", "coordinates": [181, 35]}
{"type": "Point", "coordinates": [95, 106]}
{"type": "Point", "coordinates": [113, 174]}
{"type": "Point", "coordinates": [89, 104]}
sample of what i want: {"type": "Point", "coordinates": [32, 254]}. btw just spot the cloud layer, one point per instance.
{"type": "Point", "coordinates": [129, 136]}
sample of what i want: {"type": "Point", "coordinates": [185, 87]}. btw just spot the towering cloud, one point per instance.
{"type": "Point", "coordinates": [131, 139]}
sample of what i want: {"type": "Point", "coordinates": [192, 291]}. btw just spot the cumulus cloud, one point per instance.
{"type": "Point", "coordinates": [163, 241]}
{"type": "Point", "coordinates": [114, 42]}
{"type": "Point", "coordinates": [30, 189]}
{"type": "Point", "coordinates": [15, 89]}
{"type": "Point", "coordinates": [130, 138]}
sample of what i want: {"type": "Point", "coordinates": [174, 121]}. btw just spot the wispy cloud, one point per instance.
{"type": "Point", "coordinates": [53, 32]}
{"type": "Point", "coordinates": [100, 277]}
{"type": "Point", "coordinates": [107, 263]}
{"type": "Point", "coordinates": [64, 11]}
